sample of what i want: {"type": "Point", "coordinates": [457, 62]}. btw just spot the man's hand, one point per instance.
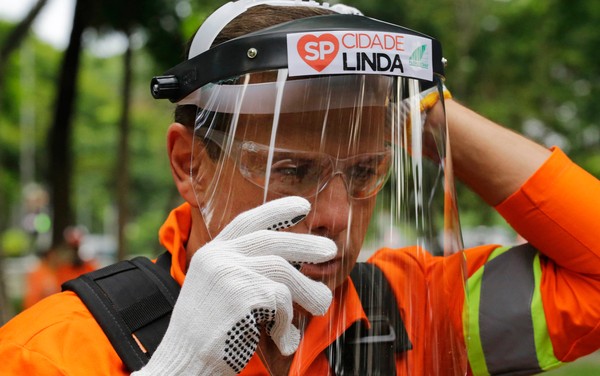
{"type": "Point", "coordinates": [423, 129]}
{"type": "Point", "coordinates": [238, 283]}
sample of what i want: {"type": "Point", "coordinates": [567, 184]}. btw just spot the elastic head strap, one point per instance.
{"type": "Point", "coordinates": [213, 25]}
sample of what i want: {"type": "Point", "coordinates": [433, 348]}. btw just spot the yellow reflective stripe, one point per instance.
{"type": "Point", "coordinates": [543, 344]}
{"type": "Point", "coordinates": [505, 322]}
{"type": "Point", "coordinates": [474, 346]}
{"type": "Point", "coordinates": [471, 327]}
{"type": "Point", "coordinates": [497, 252]}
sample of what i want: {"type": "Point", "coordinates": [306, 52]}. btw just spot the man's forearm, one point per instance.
{"type": "Point", "coordinates": [492, 160]}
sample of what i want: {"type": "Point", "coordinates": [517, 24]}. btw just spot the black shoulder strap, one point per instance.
{"type": "Point", "coordinates": [362, 351]}
{"type": "Point", "coordinates": [132, 301]}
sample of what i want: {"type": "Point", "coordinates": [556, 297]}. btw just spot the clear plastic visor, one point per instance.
{"type": "Point", "coordinates": [370, 154]}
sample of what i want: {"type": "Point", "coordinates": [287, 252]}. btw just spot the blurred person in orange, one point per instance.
{"type": "Point", "coordinates": [42, 280]}
{"type": "Point", "coordinates": [57, 265]}
{"type": "Point", "coordinates": [72, 265]}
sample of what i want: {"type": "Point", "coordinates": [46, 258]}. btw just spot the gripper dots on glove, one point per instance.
{"type": "Point", "coordinates": [286, 223]}
{"type": "Point", "coordinates": [243, 338]}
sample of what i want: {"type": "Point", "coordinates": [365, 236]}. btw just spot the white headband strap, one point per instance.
{"type": "Point", "coordinates": [224, 15]}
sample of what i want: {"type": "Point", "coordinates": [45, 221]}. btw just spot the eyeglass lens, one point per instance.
{"type": "Point", "coordinates": [307, 173]}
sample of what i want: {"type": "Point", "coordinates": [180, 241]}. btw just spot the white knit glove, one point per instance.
{"type": "Point", "coordinates": [236, 284]}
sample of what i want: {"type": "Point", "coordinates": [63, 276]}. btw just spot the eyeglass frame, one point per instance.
{"type": "Point", "coordinates": [219, 138]}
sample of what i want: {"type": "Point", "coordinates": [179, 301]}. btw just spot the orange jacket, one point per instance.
{"type": "Point", "coordinates": [46, 280]}
{"type": "Point", "coordinates": [553, 210]}
{"type": "Point", "coordinates": [40, 283]}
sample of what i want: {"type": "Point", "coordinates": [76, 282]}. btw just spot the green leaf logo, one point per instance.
{"type": "Point", "coordinates": [417, 58]}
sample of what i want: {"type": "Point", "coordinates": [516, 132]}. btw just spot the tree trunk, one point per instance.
{"type": "Point", "coordinates": [60, 158]}
{"type": "Point", "coordinates": [6, 308]}
{"type": "Point", "coordinates": [122, 163]}
{"type": "Point", "coordinates": [16, 37]}
{"type": "Point", "coordinates": [11, 44]}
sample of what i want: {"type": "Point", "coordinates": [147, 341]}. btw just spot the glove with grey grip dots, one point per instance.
{"type": "Point", "coordinates": [236, 284]}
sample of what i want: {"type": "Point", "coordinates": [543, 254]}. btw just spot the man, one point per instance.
{"type": "Point", "coordinates": [280, 162]}
{"type": "Point", "coordinates": [57, 265]}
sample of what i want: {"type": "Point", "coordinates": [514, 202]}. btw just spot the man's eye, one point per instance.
{"type": "Point", "coordinates": [361, 172]}
{"type": "Point", "coordinates": [290, 169]}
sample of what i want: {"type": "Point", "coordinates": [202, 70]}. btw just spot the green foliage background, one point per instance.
{"type": "Point", "coordinates": [95, 141]}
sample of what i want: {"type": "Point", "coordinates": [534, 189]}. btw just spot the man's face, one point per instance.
{"type": "Point", "coordinates": [341, 142]}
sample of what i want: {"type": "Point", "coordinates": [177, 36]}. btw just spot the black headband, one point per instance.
{"type": "Point", "coordinates": [265, 50]}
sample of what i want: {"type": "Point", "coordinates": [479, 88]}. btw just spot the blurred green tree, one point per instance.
{"type": "Point", "coordinates": [106, 15]}
{"type": "Point", "coordinates": [129, 18]}
{"type": "Point", "coordinates": [16, 36]}
{"type": "Point", "coordinates": [10, 44]}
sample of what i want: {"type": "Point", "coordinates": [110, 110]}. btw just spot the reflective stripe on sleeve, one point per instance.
{"type": "Point", "coordinates": [543, 345]}
{"type": "Point", "coordinates": [506, 328]}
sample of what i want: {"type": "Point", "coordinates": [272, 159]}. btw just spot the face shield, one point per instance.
{"type": "Point", "coordinates": [347, 112]}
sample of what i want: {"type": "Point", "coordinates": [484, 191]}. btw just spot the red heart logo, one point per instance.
{"type": "Point", "coordinates": [318, 51]}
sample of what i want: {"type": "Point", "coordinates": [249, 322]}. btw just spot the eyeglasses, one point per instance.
{"type": "Point", "coordinates": [304, 173]}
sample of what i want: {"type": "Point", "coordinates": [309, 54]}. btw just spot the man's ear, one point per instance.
{"type": "Point", "coordinates": [179, 147]}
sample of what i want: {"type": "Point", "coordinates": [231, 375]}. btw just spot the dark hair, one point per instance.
{"type": "Point", "coordinates": [256, 18]}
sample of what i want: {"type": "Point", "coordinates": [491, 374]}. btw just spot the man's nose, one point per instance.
{"type": "Point", "coordinates": [331, 208]}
